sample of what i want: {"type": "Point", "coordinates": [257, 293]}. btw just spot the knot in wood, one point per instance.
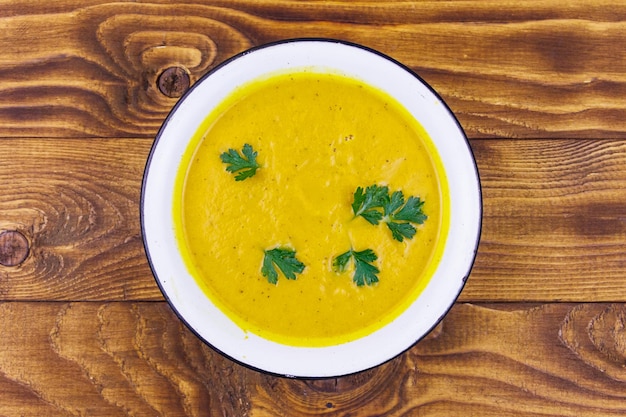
{"type": "Point", "coordinates": [14, 248]}
{"type": "Point", "coordinates": [174, 82]}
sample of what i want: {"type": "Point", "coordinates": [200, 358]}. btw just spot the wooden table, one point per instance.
{"type": "Point", "coordinates": [539, 87]}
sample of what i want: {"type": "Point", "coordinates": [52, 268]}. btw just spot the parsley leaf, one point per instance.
{"type": "Point", "coordinates": [399, 231]}
{"type": "Point", "coordinates": [367, 204]}
{"type": "Point", "coordinates": [393, 203]}
{"type": "Point", "coordinates": [243, 166]}
{"type": "Point", "coordinates": [399, 218]}
{"type": "Point", "coordinates": [376, 205]}
{"type": "Point", "coordinates": [285, 259]}
{"type": "Point", "coordinates": [340, 263]}
{"type": "Point", "coordinates": [412, 211]}
{"type": "Point", "coordinates": [364, 271]}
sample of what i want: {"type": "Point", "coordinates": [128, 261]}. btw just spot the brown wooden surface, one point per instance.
{"type": "Point", "coordinates": [539, 87]}
{"type": "Point", "coordinates": [123, 358]}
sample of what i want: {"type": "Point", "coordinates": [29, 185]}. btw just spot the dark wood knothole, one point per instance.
{"type": "Point", "coordinates": [174, 82]}
{"type": "Point", "coordinates": [14, 248]}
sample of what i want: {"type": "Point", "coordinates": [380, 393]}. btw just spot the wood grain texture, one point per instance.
{"type": "Point", "coordinates": [137, 359]}
{"type": "Point", "coordinates": [77, 203]}
{"type": "Point", "coordinates": [507, 69]}
{"type": "Point", "coordinates": [554, 220]}
{"type": "Point", "coordinates": [540, 328]}
{"type": "Point", "coordinates": [116, 359]}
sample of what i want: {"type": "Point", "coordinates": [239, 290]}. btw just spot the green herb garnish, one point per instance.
{"type": "Point", "coordinates": [367, 204]}
{"type": "Point", "coordinates": [376, 205]}
{"type": "Point", "coordinates": [242, 166]}
{"type": "Point", "coordinates": [399, 215]}
{"type": "Point", "coordinates": [364, 271]}
{"type": "Point", "coordinates": [285, 259]}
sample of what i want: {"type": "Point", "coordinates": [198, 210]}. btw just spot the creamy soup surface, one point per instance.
{"type": "Point", "coordinates": [318, 136]}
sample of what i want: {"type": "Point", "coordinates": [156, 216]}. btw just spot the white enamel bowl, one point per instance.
{"type": "Point", "coordinates": [207, 321]}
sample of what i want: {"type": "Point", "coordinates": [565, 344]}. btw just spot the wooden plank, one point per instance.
{"type": "Point", "coordinates": [554, 221]}
{"type": "Point", "coordinates": [122, 359]}
{"type": "Point", "coordinates": [553, 227]}
{"type": "Point", "coordinates": [77, 203]}
{"type": "Point", "coordinates": [110, 360]}
{"type": "Point", "coordinates": [507, 69]}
